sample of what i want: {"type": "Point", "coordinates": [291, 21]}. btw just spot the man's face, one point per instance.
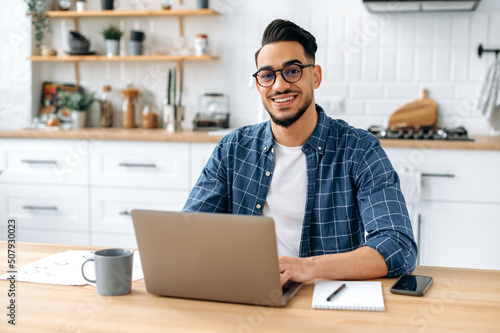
{"type": "Point", "coordinates": [286, 102]}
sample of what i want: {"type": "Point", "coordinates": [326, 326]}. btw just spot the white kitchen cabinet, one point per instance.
{"type": "Point", "coordinates": [460, 235]}
{"type": "Point", "coordinates": [44, 161]}
{"type": "Point", "coordinates": [126, 175]}
{"type": "Point", "coordinates": [140, 164]}
{"type": "Point", "coordinates": [40, 210]}
{"type": "Point", "coordinates": [110, 214]}
{"type": "Point", "coordinates": [200, 153]}
{"type": "Point", "coordinates": [459, 211]}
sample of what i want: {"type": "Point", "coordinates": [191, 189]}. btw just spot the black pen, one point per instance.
{"type": "Point", "coordinates": [336, 292]}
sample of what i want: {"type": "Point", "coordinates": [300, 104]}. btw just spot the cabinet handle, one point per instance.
{"type": "Point", "coordinates": [125, 212]}
{"type": "Point", "coordinates": [419, 228]}
{"type": "Point", "coordinates": [40, 207]}
{"type": "Point", "coordinates": [39, 161]}
{"type": "Point", "coordinates": [137, 165]}
{"type": "Point", "coordinates": [444, 175]}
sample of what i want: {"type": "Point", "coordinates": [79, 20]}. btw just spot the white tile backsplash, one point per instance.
{"type": "Point", "coordinates": [441, 61]}
{"type": "Point", "coordinates": [459, 65]}
{"type": "Point", "coordinates": [494, 29]}
{"type": "Point", "coordinates": [405, 64]}
{"type": "Point", "coordinates": [366, 90]}
{"type": "Point", "coordinates": [442, 29]}
{"type": "Point", "coordinates": [423, 64]}
{"type": "Point", "coordinates": [401, 90]}
{"type": "Point", "coordinates": [373, 63]}
{"type": "Point", "coordinates": [369, 67]}
{"type": "Point", "coordinates": [407, 30]}
{"type": "Point", "coordinates": [461, 29]}
{"type": "Point", "coordinates": [381, 107]}
{"type": "Point", "coordinates": [388, 64]}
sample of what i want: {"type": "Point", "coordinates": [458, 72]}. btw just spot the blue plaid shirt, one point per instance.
{"type": "Point", "coordinates": [351, 188]}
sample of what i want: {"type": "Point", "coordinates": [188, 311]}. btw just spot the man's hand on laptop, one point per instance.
{"type": "Point", "coordinates": [295, 269]}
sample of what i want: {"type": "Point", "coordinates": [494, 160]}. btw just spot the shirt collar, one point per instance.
{"type": "Point", "coordinates": [316, 141]}
{"type": "Point", "coordinates": [318, 137]}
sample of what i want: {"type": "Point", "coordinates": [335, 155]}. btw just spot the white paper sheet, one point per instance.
{"type": "Point", "coordinates": [64, 268]}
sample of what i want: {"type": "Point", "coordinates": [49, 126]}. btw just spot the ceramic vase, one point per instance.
{"type": "Point", "coordinates": [81, 6]}
{"type": "Point", "coordinates": [112, 47]}
{"type": "Point", "coordinates": [78, 118]}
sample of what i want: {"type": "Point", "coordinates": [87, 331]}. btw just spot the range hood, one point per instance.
{"type": "Point", "coordinates": [411, 6]}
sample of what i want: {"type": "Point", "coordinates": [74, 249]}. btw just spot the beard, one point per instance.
{"type": "Point", "coordinates": [288, 121]}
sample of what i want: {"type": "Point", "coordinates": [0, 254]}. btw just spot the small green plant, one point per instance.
{"type": "Point", "coordinates": [77, 101]}
{"type": "Point", "coordinates": [39, 19]}
{"type": "Point", "coordinates": [112, 32]}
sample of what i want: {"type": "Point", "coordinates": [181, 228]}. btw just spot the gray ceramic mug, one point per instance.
{"type": "Point", "coordinates": [113, 271]}
{"type": "Point", "coordinates": [134, 48]}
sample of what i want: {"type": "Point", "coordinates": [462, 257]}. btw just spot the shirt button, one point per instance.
{"type": "Point", "coordinates": [258, 206]}
{"type": "Point", "coordinates": [268, 173]}
{"type": "Point", "coordinates": [319, 148]}
{"type": "Point", "coordinates": [265, 148]}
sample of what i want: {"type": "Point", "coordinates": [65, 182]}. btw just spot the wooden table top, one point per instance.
{"type": "Point", "coordinates": [460, 300]}
{"type": "Point", "coordinates": [481, 142]}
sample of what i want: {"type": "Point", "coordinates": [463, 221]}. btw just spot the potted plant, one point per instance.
{"type": "Point", "coordinates": [39, 20]}
{"type": "Point", "coordinates": [79, 104]}
{"type": "Point", "coordinates": [81, 5]}
{"type": "Point", "coordinates": [112, 35]}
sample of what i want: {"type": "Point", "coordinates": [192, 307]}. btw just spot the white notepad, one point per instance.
{"type": "Point", "coordinates": [357, 295]}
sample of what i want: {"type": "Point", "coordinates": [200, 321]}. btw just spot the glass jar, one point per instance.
{"type": "Point", "coordinates": [149, 118]}
{"type": "Point", "coordinates": [106, 108]}
{"type": "Point", "coordinates": [166, 4]}
{"type": "Point", "coordinates": [201, 45]}
{"type": "Point", "coordinates": [129, 109]}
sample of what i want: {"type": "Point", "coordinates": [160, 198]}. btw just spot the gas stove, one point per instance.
{"type": "Point", "coordinates": [409, 133]}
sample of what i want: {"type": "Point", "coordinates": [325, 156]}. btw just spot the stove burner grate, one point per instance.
{"type": "Point", "coordinates": [429, 133]}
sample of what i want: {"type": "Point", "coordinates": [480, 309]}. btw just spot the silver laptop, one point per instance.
{"type": "Point", "coordinates": [217, 257]}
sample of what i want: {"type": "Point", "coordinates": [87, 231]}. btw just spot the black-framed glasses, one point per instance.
{"type": "Point", "coordinates": [290, 73]}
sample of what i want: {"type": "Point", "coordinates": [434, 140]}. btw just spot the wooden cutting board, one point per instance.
{"type": "Point", "coordinates": [419, 113]}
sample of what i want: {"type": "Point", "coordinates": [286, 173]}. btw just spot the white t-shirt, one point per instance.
{"type": "Point", "coordinates": [286, 199]}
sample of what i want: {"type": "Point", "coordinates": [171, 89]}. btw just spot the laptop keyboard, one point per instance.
{"type": "Point", "coordinates": [288, 285]}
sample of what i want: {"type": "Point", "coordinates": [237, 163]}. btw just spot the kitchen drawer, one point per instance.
{"type": "Point", "coordinates": [140, 164]}
{"type": "Point", "coordinates": [49, 208]}
{"type": "Point", "coordinates": [453, 175]}
{"type": "Point", "coordinates": [200, 153]}
{"type": "Point", "coordinates": [110, 208]}
{"type": "Point", "coordinates": [44, 161]}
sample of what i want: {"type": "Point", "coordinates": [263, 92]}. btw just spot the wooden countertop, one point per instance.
{"type": "Point", "coordinates": [482, 142]}
{"type": "Point", "coordinates": [120, 134]}
{"type": "Point", "coordinates": [460, 300]}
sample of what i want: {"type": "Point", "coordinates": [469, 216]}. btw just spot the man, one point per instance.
{"type": "Point", "coordinates": [325, 183]}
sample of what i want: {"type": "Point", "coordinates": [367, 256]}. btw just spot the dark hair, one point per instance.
{"type": "Point", "coordinates": [286, 31]}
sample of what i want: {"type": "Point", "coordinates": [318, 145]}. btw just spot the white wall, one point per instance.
{"type": "Point", "coordinates": [373, 63]}
{"type": "Point", "coordinates": [15, 70]}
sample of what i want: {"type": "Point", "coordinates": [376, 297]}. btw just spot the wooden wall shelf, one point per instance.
{"type": "Point", "coordinates": [120, 58]}
{"type": "Point", "coordinates": [130, 13]}
{"type": "Point", "coordinates": [75, 16]}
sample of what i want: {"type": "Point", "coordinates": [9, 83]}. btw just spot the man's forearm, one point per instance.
{"type": "Point", "coordinates": [362, 263]}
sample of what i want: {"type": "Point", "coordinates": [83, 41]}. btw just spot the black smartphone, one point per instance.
{"type": "Point", "coordinates": [414, 285]}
